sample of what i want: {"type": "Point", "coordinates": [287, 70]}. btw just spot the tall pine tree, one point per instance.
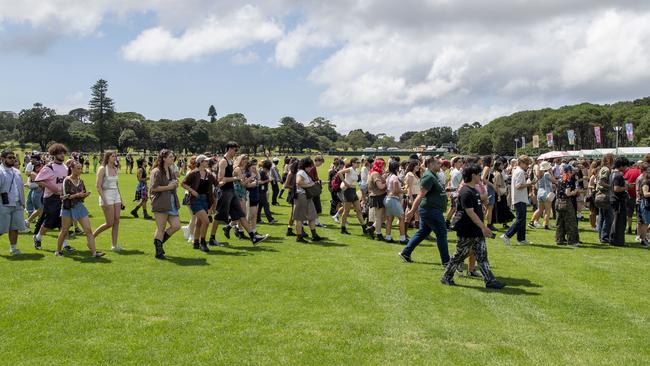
{"type": "Point", "coordinates": [101, 109]}
{"type": "Point", "coordinates": [212, 112]}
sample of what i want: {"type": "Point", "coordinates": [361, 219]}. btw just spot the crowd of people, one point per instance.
{"type": "Point", "coordinates": [469, 195]}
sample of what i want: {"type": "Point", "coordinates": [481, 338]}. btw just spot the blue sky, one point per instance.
{"type": "Point", "coordinates": [380, 65]}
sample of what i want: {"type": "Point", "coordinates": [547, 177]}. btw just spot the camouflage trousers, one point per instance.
{"type": "Point", "coordinates": [464, 247]}
{"type": "Point", "coordinates": [567, 226]}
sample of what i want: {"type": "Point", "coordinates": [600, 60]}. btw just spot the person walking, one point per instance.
{"type": "Point", "coordinates": [643, 197]}
{"type": "Point", "coordinates": [74, 210]}
{"type": "Point", "coordinates": [376, 196]}
{"type": "Point", "coordinates": [619, 202]}
{"type": "Point", "coordinates": [566, 231]}
{"type": "Point", "coordinates": [350, 177]}
{"type": "Point", "coordinates": [393, 205]}
{"type": "Point", "coordinates": [431, 202]}
{"type": "Point", "coordinates": [304, 208]}
{"type": "Point", "coordinates": [110, 198]}
{"type": "Point", "coordinates": [545, 196]}
{"type": "Point", "coordinates": [51, 177]}
{"type": "Point", "coordinates": [503, 213]}
{"type": "Point", "coordinates": [141, 191]}
{"type": "Point", "coordinates": [519, 187]}
{"type": "Point", "coordinates": [276, 180]}
{"type": "Point", "coordinates": [129, 163]}
{"type": "Point", "coordinates": [264, 179]}
{"type": "Point", "coordinates": [229, 207]}
{"type": "Point", "coordinates": [12, 203]}
{"type": "Point", "coordinates": [200, 183]}
{"type": "Point", "coordinates": [164, 201]}
{"type": "Point", "coordinates": [603, 199]}
{"type": "Point", "coordinates": [35, 195]}
{"type": "Point", "coordinates": [313, 174]}
{"type": "Point", "coordinates": [471, 231]}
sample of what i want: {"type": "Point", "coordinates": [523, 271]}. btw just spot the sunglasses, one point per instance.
{"type": "Point", "coordinates": [10, 158]}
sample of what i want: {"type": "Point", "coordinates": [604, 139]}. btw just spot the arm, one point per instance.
{"type": "Point", "coordinates": [416, 203]}
{"type": "Point", "coordinates": [300, 182]}
{"type": "Point", "coordinates": [646, 191]}
{"type": "Point", "coordinates": [222, 173]}
{"type": "Point", "coordinates": [100, 182]}
{"type": "Point", "coordinates": [156, 188]}
{"type": "Point", "coordinates": [187, 186]}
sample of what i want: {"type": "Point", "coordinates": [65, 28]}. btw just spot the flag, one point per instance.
{"type": "Point", "coordinates": [536, 141]}
{"type": "Point", "coordinates": [523, 142]}
{"type": "Point", "coordinates": [549, 139]}
{"type": "Point", "coordinates": [629, 131]}
{"type": "Point", "coordinates": [571, 134]}
{"type": "Point", "coordinates": [597, 133]}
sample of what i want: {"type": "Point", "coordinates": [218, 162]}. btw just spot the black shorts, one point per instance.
{"type": "Point", "coordinates": [376, 201]}
{"type": "Point", "coordinates": [350, 195]}
{"type": "Point", "coordinates": [631, 206]}
{"type": "Point", "coordinates": [228, 207]}
{"type": "Point", "coordinates": [52, 212]}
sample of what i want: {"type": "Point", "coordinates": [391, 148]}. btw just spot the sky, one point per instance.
{"type": "Point", "coordinates": [382, 65]}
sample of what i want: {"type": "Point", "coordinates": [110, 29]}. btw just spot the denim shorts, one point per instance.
{"type": "Point", "coordinates": [199, 204]}
{"type": "Point", "coordinates": [393, 206]}
{"type": "Point", "coordinates": [77, 212]}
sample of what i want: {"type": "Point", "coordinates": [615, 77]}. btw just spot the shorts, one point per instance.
{"type": "Point", "coordinates": [376, 201]}
{"type": "Point", "coordinates": [350, 195]}
{"type": "Point", "coordinates": [77, 212]}
{"type": "Point", "coordinates": [199, 204]}
{"type": "Point", "coordinates": [34, 200]}
{"type": "Point", "coordinates": [11, 219]}
{"type": "Point", "coordinates": [52, 212]}
{"type": "Point", "coordinates": [228, 207]}
{"type": "Point", "coordinates": [492, 196]}
{"type": "Point", "coordinates": [393, 207]}
{"type": "Point", "coordinates": [631, 205]}
{"type": "Point", "coordinates": [112, 197]}
{"type": "Point", "coordinates": [644, 213]}
{"type": "Point", "coordinates": [303, 209]}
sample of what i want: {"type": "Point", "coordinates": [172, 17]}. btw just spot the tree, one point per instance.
{"type": "Point", "coordinates": [80, 114]}
{"type": "Point", "coordinates": [212, 113]}
{"type": "Point", "coordinates": [357, 139]}
{"type": "Point", "coordinates": [323, 127]}
{"type": "Point", "coordinates": [101, 112]}
{"type": "Point", "coordinates": [127, 139]}
{"type": "Point", "coordinates": [34, 124]}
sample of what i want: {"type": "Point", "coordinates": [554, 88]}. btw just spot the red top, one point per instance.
{"type": "Point", "coordinates": [313, 173]}
{"type": "Point", "coordinates": [630, 176]}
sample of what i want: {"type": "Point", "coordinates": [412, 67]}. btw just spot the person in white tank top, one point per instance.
{"type": "Point", "coordinates": [109, 197]}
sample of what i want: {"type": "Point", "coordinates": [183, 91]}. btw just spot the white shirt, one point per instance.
{"type": "Point", "coordinates": [29, 168]}
{"type": "Point", "coordinates": [306, 178]}
{"type": "Point", "coordinates": [519, 178]}
{"type": "Point", "coordinates": [351, 178]}
{"type": "Point", "coordinates": [442, 177]}
{"type": "Point", "coordinates": [456, 178]}
{"type": "Point", "coordinates": [365, 172]}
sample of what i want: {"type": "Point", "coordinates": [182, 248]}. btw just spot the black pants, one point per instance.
{"type": "Point", "coordinates": [334, 202]}
{"type": "Point", "coordinates": [619, 225]}
{"type": "Point", "coordinates": [276, 190]}
{"type": "Point", "coordinates": [264, 205]}
{"type": "Point", "coordinates": [317, 205]}
{"type": "Point", "coordinates": [464, 246]}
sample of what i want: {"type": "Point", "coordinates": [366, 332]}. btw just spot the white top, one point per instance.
{"type": "Point", "coordinates": [414, 188]}
{"type": "Point", "coordinates": [29, 168]}
{"type": "Point", "coordinates": [519, 178]}
{"type": "Point", "coordinates": [456, 178]}
{"type": "Point", "coordinates": [365, 173]}
{"type": "Point", "coordinates": [306, 178]}
{"type": "Point", "coordinates": [442, 177]}
{"type": "Point", "coordinates": [110, 182]}
{"type": "Point", "coordinates": [351, 178]}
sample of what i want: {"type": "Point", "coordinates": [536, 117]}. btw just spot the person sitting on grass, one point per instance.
{"type": "Point", "coordinates": [471, 231]}
{"type": "Point", "coordinates": [73, 209]}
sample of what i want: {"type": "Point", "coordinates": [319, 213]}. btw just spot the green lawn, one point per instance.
{"type": "Point", "coordinates": [348, 300]}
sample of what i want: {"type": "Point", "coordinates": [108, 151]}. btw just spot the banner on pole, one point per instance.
{"type": "Point", "coordinates": [571, 134]}
{"type": "Point", "coordinates": [536, 141]}
{"type": "Point", "coordinates": [597, 133]}
{"type": "Point", "coordinates": [549, 139]}
{"type": "Point", "coordinates": [629, 131]}
{"type": "Point", "coordinates": [523, 142]}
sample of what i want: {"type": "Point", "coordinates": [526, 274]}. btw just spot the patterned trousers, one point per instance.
{"type": "Point", "coordinates": [464, 247]}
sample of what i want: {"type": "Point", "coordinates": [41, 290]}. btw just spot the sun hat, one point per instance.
{"type": "Point", "coordinates": [544, 166]}
{"type": "Point", "coordinates": [200, 158]}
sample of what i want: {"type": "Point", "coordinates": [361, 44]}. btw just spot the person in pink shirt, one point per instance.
{"type": "Point", "coordinates": [50, 178]}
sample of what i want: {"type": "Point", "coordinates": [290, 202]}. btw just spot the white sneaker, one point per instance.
{"type": "Point", "coordinates": [15, 251]}
{"type": "Point", "coordinates": [638, 239]}
{"type": "Point", "coordinates": [186, 232]}
{"type": "Point", "coordinates": [524, 242]}
{"type": "Point", "coordinates": [538, 225]}
{"type": "Point", "coordinates": [116, 248]}
{"type": "Point", "coordinates": [336, 219]}
{"type": "Point", "coordinates": [506, 240]}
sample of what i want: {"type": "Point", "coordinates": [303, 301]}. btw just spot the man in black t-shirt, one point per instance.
{"type": "Point", "coordinates": [619, 202]}
{"type": "Point", "coordinates": [471, 231]}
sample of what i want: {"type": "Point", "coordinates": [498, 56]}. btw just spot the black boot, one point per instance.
{"type": "Point", "coordinates": [160, 254]}
{"type": "Point", "coordinates": [196, 244]}
{"type": "Point", "coordinates": [145, 214]}
{"type": "Point", "coordinates": [203, 246]}
{"type": "Point", "coordinates": [315, 236]}
{"type": "Point", "coordinates": [290, 232]}
{"type": "Point", "coordinates": [134, 212]}
{"type": "Point", "coordinates": [344, 230]}
{"type": "Point", "coordinates": [166, 237]}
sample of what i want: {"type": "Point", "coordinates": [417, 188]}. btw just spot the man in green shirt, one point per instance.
{"type": "Point", "coordinates": [431, 203]}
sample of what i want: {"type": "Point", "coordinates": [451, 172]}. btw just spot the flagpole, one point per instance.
{"type": "Point", "coordinates": [617, 129]}
{"type": "Point", "coordinates": [516, 146]}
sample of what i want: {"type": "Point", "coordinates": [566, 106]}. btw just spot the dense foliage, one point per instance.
{"type": "Point", "coordinates": [100, 127]}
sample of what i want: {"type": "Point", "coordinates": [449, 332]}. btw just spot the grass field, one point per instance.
{"type": "Point", "coordinates": [348, 300]}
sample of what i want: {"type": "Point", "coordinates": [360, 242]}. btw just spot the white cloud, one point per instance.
{"type": "Point", "coordinates": [231, 32]}
{"type": "Point", "coordinates": [70, 102]}
{"type": "Point", "coordinates": [293, 45]}
{"type": "Point", "coordinates": [245, 58]}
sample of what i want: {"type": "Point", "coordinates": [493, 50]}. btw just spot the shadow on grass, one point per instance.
{"type": "Point", "coordinates": [130, 252]}
{"type": "Point", "coordinates": [326, 243]}
{"type": "Point", "coordinates": [506, 290]}
{"type": "Point", "coordinates": [24, 257]}
{"type": "Point", "coordinates": [251, 248]}
{"type": "Point", "coordinates": [187, 261]}
{"type": "Point", "coordinates": [517, 282]}
{"type": "Point", "coordinates": [549, 246]}
{"type": "Point", "coordinates": [86, 257]}
{"type": "Point", "coordinates": [221, 252]}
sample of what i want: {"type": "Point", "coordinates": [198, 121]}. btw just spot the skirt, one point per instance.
{"type": "Point", "coordinates": [350, 195]}
{"type": "Point", "coordinates": [376, 201]}
{"type": "Point", "coordinates": [140, 191]}
{"type": "Point", "coordinates": [503, 215]}
{"type": "Point", "coordinates": [393, 206]}
{"type": "Point", "coordinates": [78, 211]}
{"type": "Point", "coordinates": [303, 208]}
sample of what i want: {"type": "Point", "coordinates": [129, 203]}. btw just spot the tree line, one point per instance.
{"type": "Point", "coordinates": [100, 127]}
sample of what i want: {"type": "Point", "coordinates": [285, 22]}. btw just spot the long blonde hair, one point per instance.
{"type": "Point", "coordinates": [107, 156]}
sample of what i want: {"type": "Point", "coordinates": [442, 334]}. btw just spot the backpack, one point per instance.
{"type": "Point", "coordinates": [335, 183]}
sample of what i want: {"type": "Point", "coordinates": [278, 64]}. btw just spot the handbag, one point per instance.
{"type": "Point", "coordinates": [455, 220]}
{"type": "Point", "coordinates": [601, 200]}
{"type": "Point", "coordinates": [313, 191]}
{"type": "Point", "coordinates": [562, 205]}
